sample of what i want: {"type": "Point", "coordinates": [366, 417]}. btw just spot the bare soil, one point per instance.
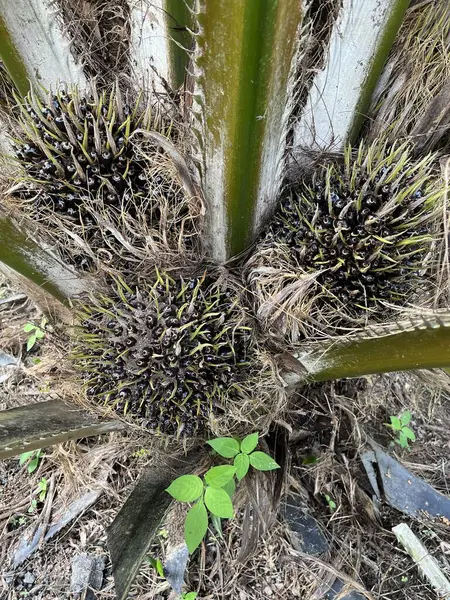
{"type": "Point", "coordinates": [328, 426]}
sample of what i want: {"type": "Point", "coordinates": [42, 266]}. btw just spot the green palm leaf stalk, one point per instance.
{"type": "Point", "coordinates": [34, 47]}
{"type": "Point", "coordinates": [243, 89]}
{"type": "Point", "coordinates": [160, 42]}
{"type": "Point", "coordinates": [420, 343]}
{"type": "Point", "coordinates": [342, 88]}
{"type": "Point", "coordinates": [26, 256]}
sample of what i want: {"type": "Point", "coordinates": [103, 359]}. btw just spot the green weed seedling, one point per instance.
{"type": "Point", "coordinates": [34, 456]}
{"type": "Point", "coordinates": [158, 566]}
{"type": "Point", "coordinates": [213, 494]}
{"type": "Point", "coordinates": [42, 487]}
{"type": "Point", "coordinates": [36, 333]}
{"type": "Point", "coordinates": [400, 426]}
{"type": "Point", "coordinates": [331, 503]}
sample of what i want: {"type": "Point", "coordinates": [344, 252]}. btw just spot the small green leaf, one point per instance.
{"type": "Point", "coordinates": [39, 333]}
{"type": "Point", "coordinates": [242, 464]}
{"type": "Point", "coordinates": [159, 568]}
{"type": "Point", "coordinates": [217, 524]}
{"type": "Point", "coordinates": [309, 460]}
{"type": "Point", "coordinates": [249, 443]}
{"type": "Point", "coordinates": [190, 596]}
{"type": "Point", "coordinates": [157, 565]}
{"type": "Point", "coordinates": [409, 433]}
{"type": "Point", "coordinates": [217, 477]}
{"type": "Point", "coordinates": [186, 488]}
{"type": "Point", "coordinates": [28, 327]}
{"type": "Point", "coordinates": [396, 423]}
{"type": "Point", "coordinates": [226, 446]}
{"type": "Point", "coordinates": [402, 440]}
{"type": "Point", "coordinates": [25, 456]}
{"type": "Point", "coordinates": [331, 503]}
{"type": "Point", "coordinates": [196, 526]}
{"type": "Point", "coordinates": [263, 462]}
{"type": "Point", "coordinates": [230, 488]}
{"type": "Point", "coordinates": [31, 342]}
{"type": "Point", "coordinates": [219, 502]}
{"type": "Point", "coordinates": [405, 417]}
{"type": "Point", "coordinates": [32, 465]}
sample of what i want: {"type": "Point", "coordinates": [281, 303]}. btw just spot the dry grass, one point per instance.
{"type": "Point", "coordinates": [406, 102]}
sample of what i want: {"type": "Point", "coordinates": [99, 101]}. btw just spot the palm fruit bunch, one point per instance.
{"type": "Point", "coordinates": [364, 227]}
{"type": "Point", "coordinates": [168, 354]}
{"type": "Point", "coordinates": [79, 154]}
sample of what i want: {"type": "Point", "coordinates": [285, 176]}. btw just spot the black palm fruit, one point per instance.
{"type": "Point", "coordinates": [168, 354]}
{"type": "Point", "coordinates": [83, 158]}
{"type": "Point", "coordinates": [364, 226]}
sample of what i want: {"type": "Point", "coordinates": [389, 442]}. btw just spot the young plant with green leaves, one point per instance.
{"type": "Point", "coordinates": [399, 425]}
{"type": "Point", "coordinates": [214, 493]}
{"type": "Point", "coordinates": [33, 457]}
{"type": "Point", "coordinates": [159, 568]}
{"type": "Point", "coordinates": [36, 332]}
{"type": "Point", "coordinates": [330, 502]}
{"type": "Point", "coordinates": [42, 493]}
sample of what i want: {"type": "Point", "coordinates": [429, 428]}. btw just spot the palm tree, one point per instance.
{"type": "Point", "coordinates": [266, 90]}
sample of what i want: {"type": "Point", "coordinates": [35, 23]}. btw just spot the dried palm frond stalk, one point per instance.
{"type": "Point", "coordinates": [177, 356]}
{"type": "Point", "coordinates": [412, 97]}
{"type": "Point", "coordinates": [356, 237]}
{"type": "Point", "coordinates": [97, 180]}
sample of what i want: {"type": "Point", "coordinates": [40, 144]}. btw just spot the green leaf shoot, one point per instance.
{"type": "Point", "coordinates": [395, 423]}
{"type": "Point", "coordinates": [31, 342]}
{"type": "Point", "coordinates": [331, 503]}
{"type": "Point", "coordinates": [242, 464]}
{"type": "Point", "coordinates": [226, 446]}
{"type": "Point", "coordinates": [157, 565]}
{"type": "Point", "coordinates": [263, 462]}
{"type": "Point", "coordinates": [39, 333]}
{"type": "Point", "coordinates": [32, 465]}
{"type": "Point", "coordinates": [219, 476]}
{"type": "Point", "coordinates": [230, 488]}
{"type": "Point", "coordinates": [25, 456]}
{"type": "Point", "coordinates": [219, 502]}
{"type": "Point", "coordinates": [405, 418]}
{"type": "Point", "coordinates": [42, 485]}
{"type": "Point", "coordinates": [186, 488]}
{"type": "Point", "coordinates": [249, 443]}
{"type": "Point", "coordinates": [196, 526]}
{"type": "Point", "coordinates": [409, 433]}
